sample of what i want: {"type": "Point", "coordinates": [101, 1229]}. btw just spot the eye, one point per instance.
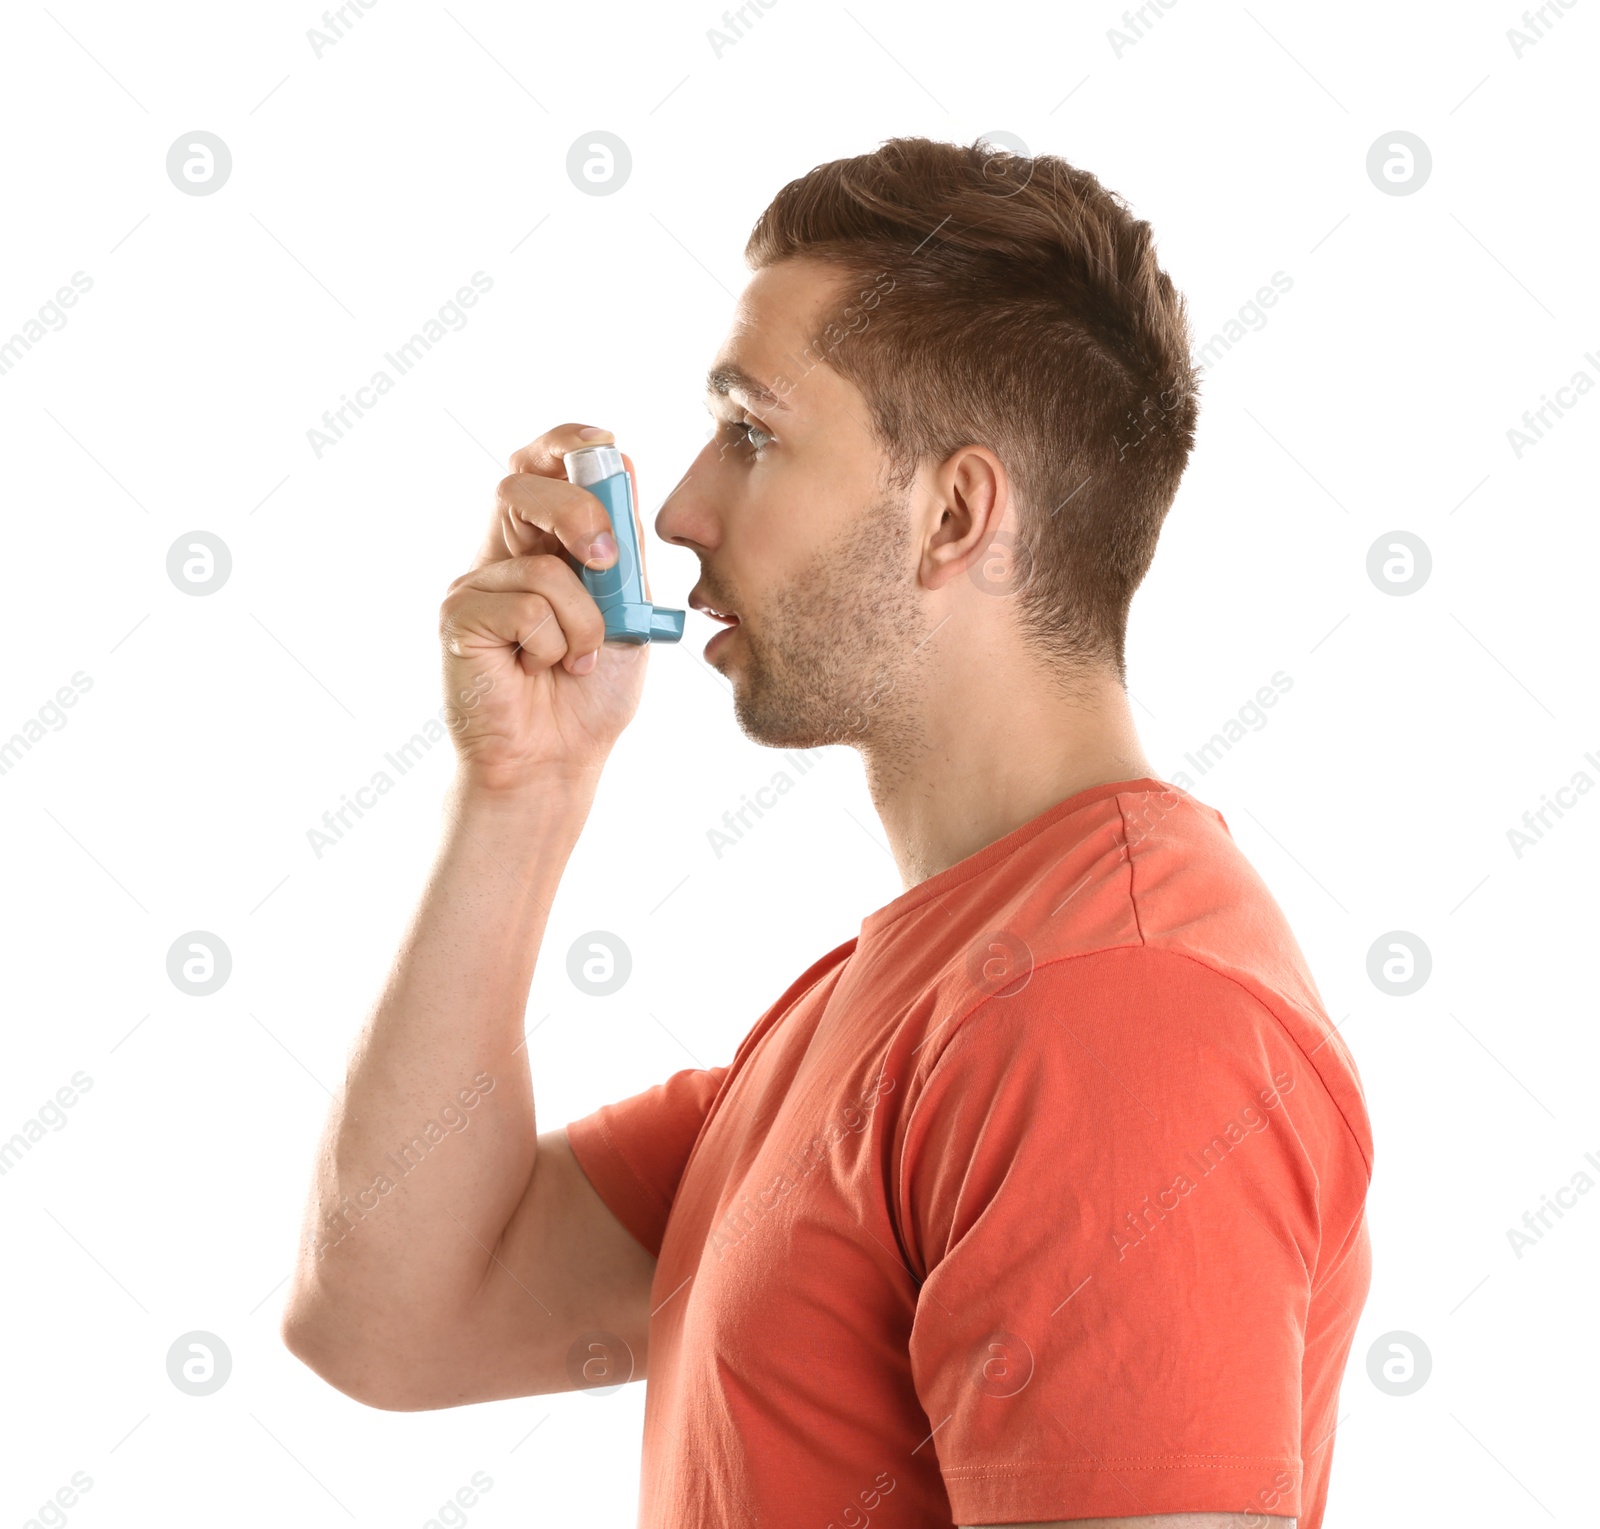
{"type": "Point", "coordinates": [748, 433]}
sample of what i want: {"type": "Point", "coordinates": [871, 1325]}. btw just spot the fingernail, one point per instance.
{"type": "Point", "coordinates": [602, 548]}
{"type": "Point", "coordinates": [592, 433]}
{"type": "Point", "coordinates": [586, 663]}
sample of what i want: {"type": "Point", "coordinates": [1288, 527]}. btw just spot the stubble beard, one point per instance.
{"type": "Point", "coordinates": [837, 649]}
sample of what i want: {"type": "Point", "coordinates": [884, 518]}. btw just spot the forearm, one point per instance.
{"type": "Point", "coordinates": [430, 1147]}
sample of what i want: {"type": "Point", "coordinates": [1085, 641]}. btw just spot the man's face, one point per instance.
{"type": "Point", "coordinates": [797, 534]}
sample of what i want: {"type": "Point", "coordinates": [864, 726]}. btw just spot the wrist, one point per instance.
{"type": "Point", "coordinates": [547, 796]}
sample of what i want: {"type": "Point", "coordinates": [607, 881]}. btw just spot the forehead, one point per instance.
{"type": "Point", "coordinates": [781, 307]}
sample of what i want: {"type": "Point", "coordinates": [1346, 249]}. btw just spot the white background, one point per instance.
{"type": "Point", "coordinates": [368, 184]}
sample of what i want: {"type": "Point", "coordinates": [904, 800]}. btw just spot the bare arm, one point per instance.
{"type": "Point", "coordinates": [450, 1253]}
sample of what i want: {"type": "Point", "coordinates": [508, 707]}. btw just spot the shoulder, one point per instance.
{"type": "Point", "coordinates": [1149, 867]}
{"type": "Point", "coordinates": [1137, 1052]}
{"type": "Point", "coordinates": [1140, 931]}
{"type": "Point", "coordinates": [1109, 1080]}
{"type": "Point", "coordinates": [1140, 1011]}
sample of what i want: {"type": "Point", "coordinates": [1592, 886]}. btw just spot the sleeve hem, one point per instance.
{"type": "Point", "coordinates": [1028, 1492]}
{"type": "Point", "coordinates": [618, 1183]}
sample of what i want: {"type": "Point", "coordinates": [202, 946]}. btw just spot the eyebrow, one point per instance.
{"type": "Point", "coordinates": [721, 380]}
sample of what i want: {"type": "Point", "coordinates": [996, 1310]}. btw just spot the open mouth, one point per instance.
{"type": "Point", "coordinates": [727, 618]}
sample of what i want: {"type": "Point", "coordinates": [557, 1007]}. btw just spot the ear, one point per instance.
{"type": "Point", "coordinates": [965, 511]}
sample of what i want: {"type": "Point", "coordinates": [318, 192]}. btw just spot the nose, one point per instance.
{"type": "Point", "coordinates": [686, 518]}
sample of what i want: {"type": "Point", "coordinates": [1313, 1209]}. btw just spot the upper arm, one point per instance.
{"type": "Point", "coordinates": [564, 1302]}
{"type": "Point", "coordinates": [565, 1297]}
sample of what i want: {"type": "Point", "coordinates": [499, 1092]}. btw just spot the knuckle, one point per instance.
{"type": "Point", "coordinates": [534, 611]}
{"type": "Point", "coordinates": [541, 633]}
{"type": "Point", "coordinates": [538, 569]}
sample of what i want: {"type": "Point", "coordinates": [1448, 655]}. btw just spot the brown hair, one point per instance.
{"type": "Point", "coordinates": [1015, 303]}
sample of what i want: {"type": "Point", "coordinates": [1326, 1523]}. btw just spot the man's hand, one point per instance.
{"type": "Point", "coordinates": [531, 690]}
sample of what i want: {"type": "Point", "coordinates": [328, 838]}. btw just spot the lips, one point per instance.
{"type": "Point", "coordinates": [727, 618]}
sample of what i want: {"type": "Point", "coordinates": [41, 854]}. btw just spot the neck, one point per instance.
{"type": "Point", "coordinates": [990, 756]}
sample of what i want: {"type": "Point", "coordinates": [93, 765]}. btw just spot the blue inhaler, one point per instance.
{"type": "Point", "coordinates": [619, 590]}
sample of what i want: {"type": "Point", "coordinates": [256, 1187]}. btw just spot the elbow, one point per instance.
{"type": "Point", "coordinates": [348, 1365]}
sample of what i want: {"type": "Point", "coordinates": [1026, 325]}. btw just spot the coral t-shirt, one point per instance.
{"type": "Point", "coordinates": [1041, 1198]}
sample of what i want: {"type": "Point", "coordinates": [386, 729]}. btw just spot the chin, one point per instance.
{"type": "Point", "coordinates": [775, 710]}
{"type": "Point", "coordinates": [783, 731]}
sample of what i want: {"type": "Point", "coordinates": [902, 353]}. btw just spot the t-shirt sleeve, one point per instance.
{"type": "Point", "coordinates": [1108, 1185]}
{"type": "Point", "coordinates": [633, 1152]}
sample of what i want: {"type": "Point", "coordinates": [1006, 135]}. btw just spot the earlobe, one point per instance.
{"type": "Point", "coordinates": [947, 547]}
{"type": "Point", "coordinates": [957, 543]}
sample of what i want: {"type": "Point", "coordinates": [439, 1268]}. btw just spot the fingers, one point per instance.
{"type": "Point", "coordinates": [535, 514]}
{"type": "Point", "coordinates": [535, 605]}
{"type": "Point", "coordinates": [544, 455]}
{"type": "Point", "coordinates": [536, 510]}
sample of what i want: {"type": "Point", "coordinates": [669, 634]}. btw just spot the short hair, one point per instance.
{"type": "Point", "coordinates": [1020, 306]}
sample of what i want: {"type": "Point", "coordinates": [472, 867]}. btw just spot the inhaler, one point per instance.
{"type": "Point", "coordinates": [619, 590]}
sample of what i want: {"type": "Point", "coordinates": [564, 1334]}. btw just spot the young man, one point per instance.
{"type": "Point", "coordinates": [1042, 1199]}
